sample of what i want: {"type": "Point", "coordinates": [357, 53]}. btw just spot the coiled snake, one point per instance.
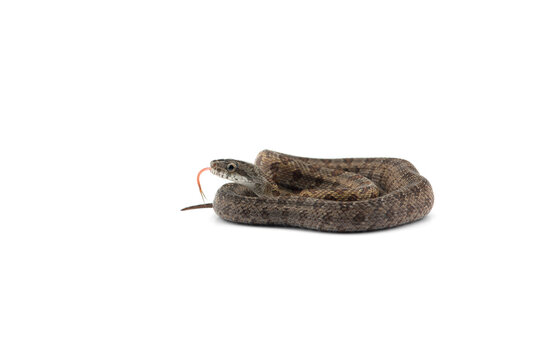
{"type": "Point", "coordinates": [339, 195]}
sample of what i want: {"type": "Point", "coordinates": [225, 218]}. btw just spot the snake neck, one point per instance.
{"type": "Point", "coordinates": [267, 189]}
{"type": "Point", "coordinates": [261, 184]}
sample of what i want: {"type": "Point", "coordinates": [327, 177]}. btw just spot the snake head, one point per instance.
{"type": "Point", "coordinates": [237, 171]}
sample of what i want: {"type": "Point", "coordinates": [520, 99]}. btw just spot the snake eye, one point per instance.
{"type": "Point", "coordinates": [231, 167]}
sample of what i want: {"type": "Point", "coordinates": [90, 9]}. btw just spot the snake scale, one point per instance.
{"type": "Point", "coordinates": [336, 195]}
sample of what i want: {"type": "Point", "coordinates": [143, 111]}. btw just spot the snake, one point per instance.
{"type": "Point", "coordinates": [333, 195]}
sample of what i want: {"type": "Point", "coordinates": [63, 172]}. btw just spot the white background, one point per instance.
{"type": "Point", "coordinates": [108, 110]}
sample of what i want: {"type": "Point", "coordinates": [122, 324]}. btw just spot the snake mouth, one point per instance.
{"type": "Point", "coordinates": [235, 177]}
{"type": "Point", "coordinates": [217, 172]}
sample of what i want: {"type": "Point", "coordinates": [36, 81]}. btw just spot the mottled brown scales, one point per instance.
{"type": "Point", "coordinates": [341, 195]}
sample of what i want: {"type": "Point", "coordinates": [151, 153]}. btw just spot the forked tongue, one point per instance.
{"type": "Point", "coordinates": [202, 206]}
{"type": "Point", "coordinates": [198, 182]}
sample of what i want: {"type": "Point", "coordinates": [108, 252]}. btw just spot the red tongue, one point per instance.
{"type": "Point", "coordinates": [198, 182]}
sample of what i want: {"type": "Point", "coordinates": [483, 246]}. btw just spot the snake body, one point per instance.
{"type": "Point", "coordinates": [337, 195]}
